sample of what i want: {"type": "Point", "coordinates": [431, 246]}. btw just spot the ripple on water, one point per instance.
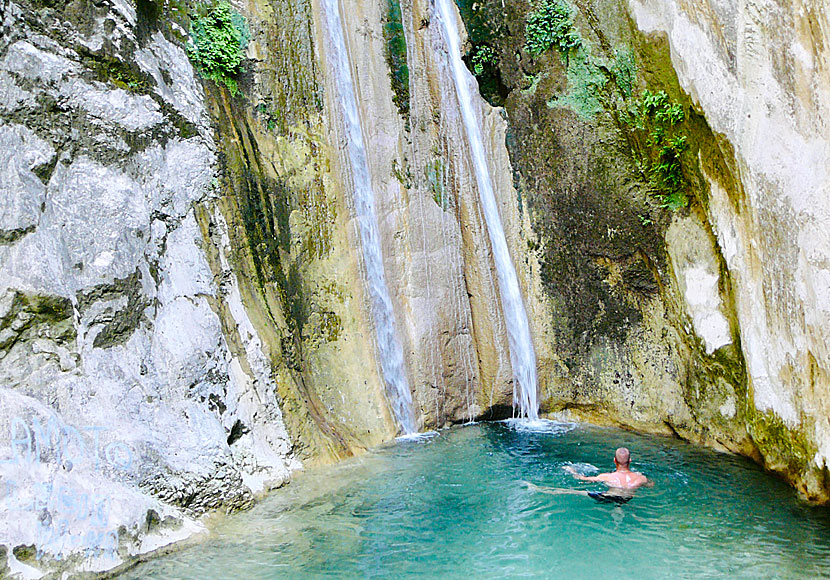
{"type": "Point", "coordinates": [454, 506]}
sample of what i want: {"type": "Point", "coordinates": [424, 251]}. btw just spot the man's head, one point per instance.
{"type": "Point", "coordinates": [622, 457]}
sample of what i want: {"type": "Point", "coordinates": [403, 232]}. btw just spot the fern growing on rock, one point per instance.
{"type": "Point", "coordinates": [551, 25]}
{"type": "Point", "coordinates": [218, 39]}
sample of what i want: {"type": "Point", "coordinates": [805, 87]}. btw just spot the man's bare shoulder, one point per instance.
{"type": "Point", "coordinates": [625, 480]}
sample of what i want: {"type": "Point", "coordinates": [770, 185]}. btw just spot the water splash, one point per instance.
{"type": "Point", "coordinates": [522, 356]}
{"type": "Point", "coordinates": [540, 426]}
{"type": "Point", "coordinates": [386, 336]}
{"type": "Point", "coordinates": [417, 437]}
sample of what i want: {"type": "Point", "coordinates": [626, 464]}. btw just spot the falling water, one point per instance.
{"type": "Point", "coordinates": [388, 345]}
{"type": "Point", "coordinates": [522, 356]}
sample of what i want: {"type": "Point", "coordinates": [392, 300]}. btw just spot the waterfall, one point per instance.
{"type": "Point", "coordinates": [522, 357]}
{"type": "Point", "coordinates": [386, 337]}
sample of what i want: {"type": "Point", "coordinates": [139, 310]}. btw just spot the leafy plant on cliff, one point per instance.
{"type": "Point", "coordinates": [483, 57]}
{"type": "Point", "coordinates": [657, 119]}
{"type": "Point", "coordinates": [551, 25]}
{"type": "Point", "coordinates": [218, 39]}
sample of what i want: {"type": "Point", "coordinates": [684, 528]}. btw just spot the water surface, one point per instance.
{"type": "Point", "coordinates": [454, 506]}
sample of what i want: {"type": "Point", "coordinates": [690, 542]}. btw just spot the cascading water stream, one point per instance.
{"type": "Point", "coordinates": [522, 356]}
{"type": "Point", "coordinates": [388, 346]}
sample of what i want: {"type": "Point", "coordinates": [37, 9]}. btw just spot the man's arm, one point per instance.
{"type": "Point", "coordinates": [570, 469]}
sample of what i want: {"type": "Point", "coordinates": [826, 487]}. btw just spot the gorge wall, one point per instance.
{"type": "Point", "coordinates": [183, 318]}
{"type": "Point", "coordinates": [701, 321]}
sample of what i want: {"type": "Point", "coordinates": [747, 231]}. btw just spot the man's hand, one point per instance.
{"type": "Point", "coordinates": [572, 470]}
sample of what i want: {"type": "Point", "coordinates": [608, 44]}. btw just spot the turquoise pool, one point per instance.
{"type": "Point", "coordinates": [454, 506]}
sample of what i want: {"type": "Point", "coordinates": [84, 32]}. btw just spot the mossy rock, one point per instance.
{"type": "Point", "coordinates": [25, 553]}
{"type": "Point", "coordinates": [785, 450]}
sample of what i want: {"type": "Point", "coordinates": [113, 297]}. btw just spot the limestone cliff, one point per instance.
{"type": "Point", "coordinates": [760, 73]}
{"type": "Point", "coordinates": [136, 391]}
{"type": "Point", "coordinates": [690, 306]}
{"type": "Point", "coordinates": [183, 317]}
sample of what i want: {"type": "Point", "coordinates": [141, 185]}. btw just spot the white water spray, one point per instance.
{"type": "Point", "coordinates": [388, 345]}
{"type": "Point", "coordinates": [522, 357]}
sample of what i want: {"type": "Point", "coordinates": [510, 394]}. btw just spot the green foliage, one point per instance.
{"type": "Point", "coordinates": [551, 25]}
{"type": "Point", "coordinates": [218, 39]}
{"type": "Point", "coordinates": [656, 116]}
{"type": "Point", "coordinates": [654, 120]}
{"type": "Point", "coordinates": [657, 105]}
{"type": "Point", "coordinates": [483, 57]}
{"type": "Point", "coordinates": [268, 116]}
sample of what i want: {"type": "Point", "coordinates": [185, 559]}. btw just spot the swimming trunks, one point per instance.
{"type": "Point", "coordinates": [603, 497]}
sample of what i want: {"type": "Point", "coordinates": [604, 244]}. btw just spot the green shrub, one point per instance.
{"type": "Point", "coordinates": [483, 57]}
{"type": "Point", "coordinates": [218, 39]}
{"type": "Point", "coordinates": [551, 24]}
{"type": "Point", "coordinates": [659, 118]}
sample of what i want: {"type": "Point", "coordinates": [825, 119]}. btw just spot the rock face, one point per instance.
{"type": "Point", "coordinates": [632, 311]}
{"type": "Point", "coordinates": [126, 409]}
{"type": "Point", "coordinates": [183, 316]}
{"type": "Point", "coordinates": [703, 322]}
{"type": "Point", "coordinates": [759, 72]}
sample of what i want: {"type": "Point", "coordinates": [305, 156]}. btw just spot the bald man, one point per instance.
{"type": "Point", "coordinates": [621, 483]}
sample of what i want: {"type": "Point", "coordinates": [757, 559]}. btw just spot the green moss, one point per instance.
{"type": "Point", "coordinates": [24, 553]}
{"type": "Point", "coordinates": [287, 76]}
{"type": "Point", "coordinates": [113, 70]}
{"type": "Point", "coordinates": [780, 445]}
{"type": "Point", "coordinates": [49, 308]}
{"type": "Point", "coordinates": [435, 177]}
{"type": "Point", "coordinates": [330, 325]}
{"type": "Point", "coordinates": [551, 25]}
{"type": "Point", "coordinates": [218, 39]}
{"type": "Point", "coordinates": [625, 71]}
{"type": "Point", "coordinates": [657, 140]}
{"type": "Point", "coordinates": [585, 84]}
{"type": "Point", "coordinates": [320, 213]}
{"type": "Point", "coordinates": [395, 52]}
